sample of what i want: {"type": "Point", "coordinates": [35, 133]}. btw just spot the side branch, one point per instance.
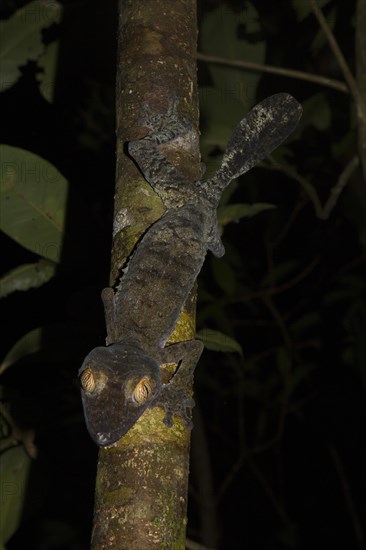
{"type": "Point", "coordinates": [348, 76]}
{"type": "Point", "coordinates": [290, 73]}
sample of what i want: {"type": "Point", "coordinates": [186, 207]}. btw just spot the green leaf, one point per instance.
{"type": "Point", "coordinates": [320, 39]}
{"type": "Point", "coordinates": [300, 374]}
{"type": "Point", "coordinates": [218, 125]}
{"type": "Point", "coordinates": [279, 272]}
{"type": "Point", "coordinates": [48, 62]}
{"type": "Point", "coordinates": [336, 296]}
{"type": "Point", "coordinates": [21, 38]}
{"type": "Point", "coordinates": [14, 473]}
{"type": "Point", "coordinates": [217, 341]}
{"type": "Point", "coordinates": [234, 92]}
{"type": "Point", "coordinates": [316, 112]}
{"type": "Point", "coordinates": [344, 147]}
{"type": "Point", "coordinates": [228, 192]}
{"type": "Point", "coordinates": [305, 322]}
{"type": "Point", "coordinates": [224, 275]}
{"type": "Point", "coordinates": [234, 212]}
{"type": "Point", "coordinates": [233, 83]}
{"type": "Point", "coordinates": [27, 276]}
{"type": "Point", "coordinates": [28, 344]}
{"type": "Point", "coordinates": [33, 197]}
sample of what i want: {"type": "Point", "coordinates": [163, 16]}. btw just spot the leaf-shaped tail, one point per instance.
{"type": "Point", "coordinates": [264, 128]}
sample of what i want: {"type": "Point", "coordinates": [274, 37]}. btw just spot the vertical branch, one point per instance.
{"type": "Point", "coordinates": [355, 87]}
{"type": "Point", "coordinates": [348, 498]}
{"type": "Point", "coordinates": [333, 44]}
{"type": "Point", "coordinates": [361, 77]}
{"type": "Point", "coordinates": [142, 481]}
{"type": "Point", "coordinates": [339, 186]}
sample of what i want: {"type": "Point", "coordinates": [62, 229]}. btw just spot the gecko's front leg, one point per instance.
{"type": "Point", "coordinates": [169, 183]}
{"type": "Point", "coordinates": [174, 397]}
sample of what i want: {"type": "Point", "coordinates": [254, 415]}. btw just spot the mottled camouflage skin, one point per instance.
{"type": "Point", "coordinates": [163, 269]}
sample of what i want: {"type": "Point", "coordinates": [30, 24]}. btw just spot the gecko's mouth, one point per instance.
{"type": "Point", "coordinates": [104, 440]}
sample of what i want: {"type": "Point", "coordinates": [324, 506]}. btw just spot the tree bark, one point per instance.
{"type": "Point", "coordinates": [142, 481]}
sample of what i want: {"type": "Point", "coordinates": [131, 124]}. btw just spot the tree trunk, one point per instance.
{"type": "Point", "coordinates": [142, 481]}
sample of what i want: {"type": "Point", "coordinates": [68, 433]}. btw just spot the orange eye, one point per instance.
{"type": "Point", "coordinates": [142, 391]}
{"type": "Point", "coordinates": [87, 380]}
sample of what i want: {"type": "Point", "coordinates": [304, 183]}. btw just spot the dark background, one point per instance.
{"type": "Point", "coordinates": [278, 454]}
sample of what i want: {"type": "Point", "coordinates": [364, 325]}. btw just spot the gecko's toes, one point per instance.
{"type": "Point", "coordinates": [182, 410]}
{"type": "Point", "coordinates": [168, 420]}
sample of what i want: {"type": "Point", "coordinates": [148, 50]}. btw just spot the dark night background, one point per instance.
{"type": "Point", "coordinates": [278, 453]}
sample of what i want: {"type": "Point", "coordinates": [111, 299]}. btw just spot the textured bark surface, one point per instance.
{"type": "Point", "coordinates": [142, 481]}
{"type": "Point", "coordinates": [156, 61]}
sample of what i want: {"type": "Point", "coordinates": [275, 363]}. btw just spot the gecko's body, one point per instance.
{"type": "Point", "coordinates": [159, 279]}
{"type": "Point", "coordinates": [162, 272]}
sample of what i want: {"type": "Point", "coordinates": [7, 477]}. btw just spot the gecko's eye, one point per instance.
{"type": "Point", "coordinates": [87, 380]}
{"type": "Point", "coordinates": [142, 391]}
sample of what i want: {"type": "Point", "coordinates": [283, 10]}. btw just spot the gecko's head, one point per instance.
{"type": "Point", "coordinates": [118, 383]}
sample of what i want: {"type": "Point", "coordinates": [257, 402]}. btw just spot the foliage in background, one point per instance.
{"type": "Point", "coordinates": [277, 457]}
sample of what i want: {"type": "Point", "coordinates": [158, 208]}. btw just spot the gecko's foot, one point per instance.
{"type": "Point", "coordinates": [176, 396]}
{"type": "Point", "coordinates": [175, 402]}
{"type": "Point", "coordinates": [180, 410]}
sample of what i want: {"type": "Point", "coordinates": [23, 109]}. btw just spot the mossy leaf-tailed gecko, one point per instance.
{"type": "Point", "coordinates": [121, 380]}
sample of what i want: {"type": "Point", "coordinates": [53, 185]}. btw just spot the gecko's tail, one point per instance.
{"type": "Point", "coordinates": [264, 128]}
